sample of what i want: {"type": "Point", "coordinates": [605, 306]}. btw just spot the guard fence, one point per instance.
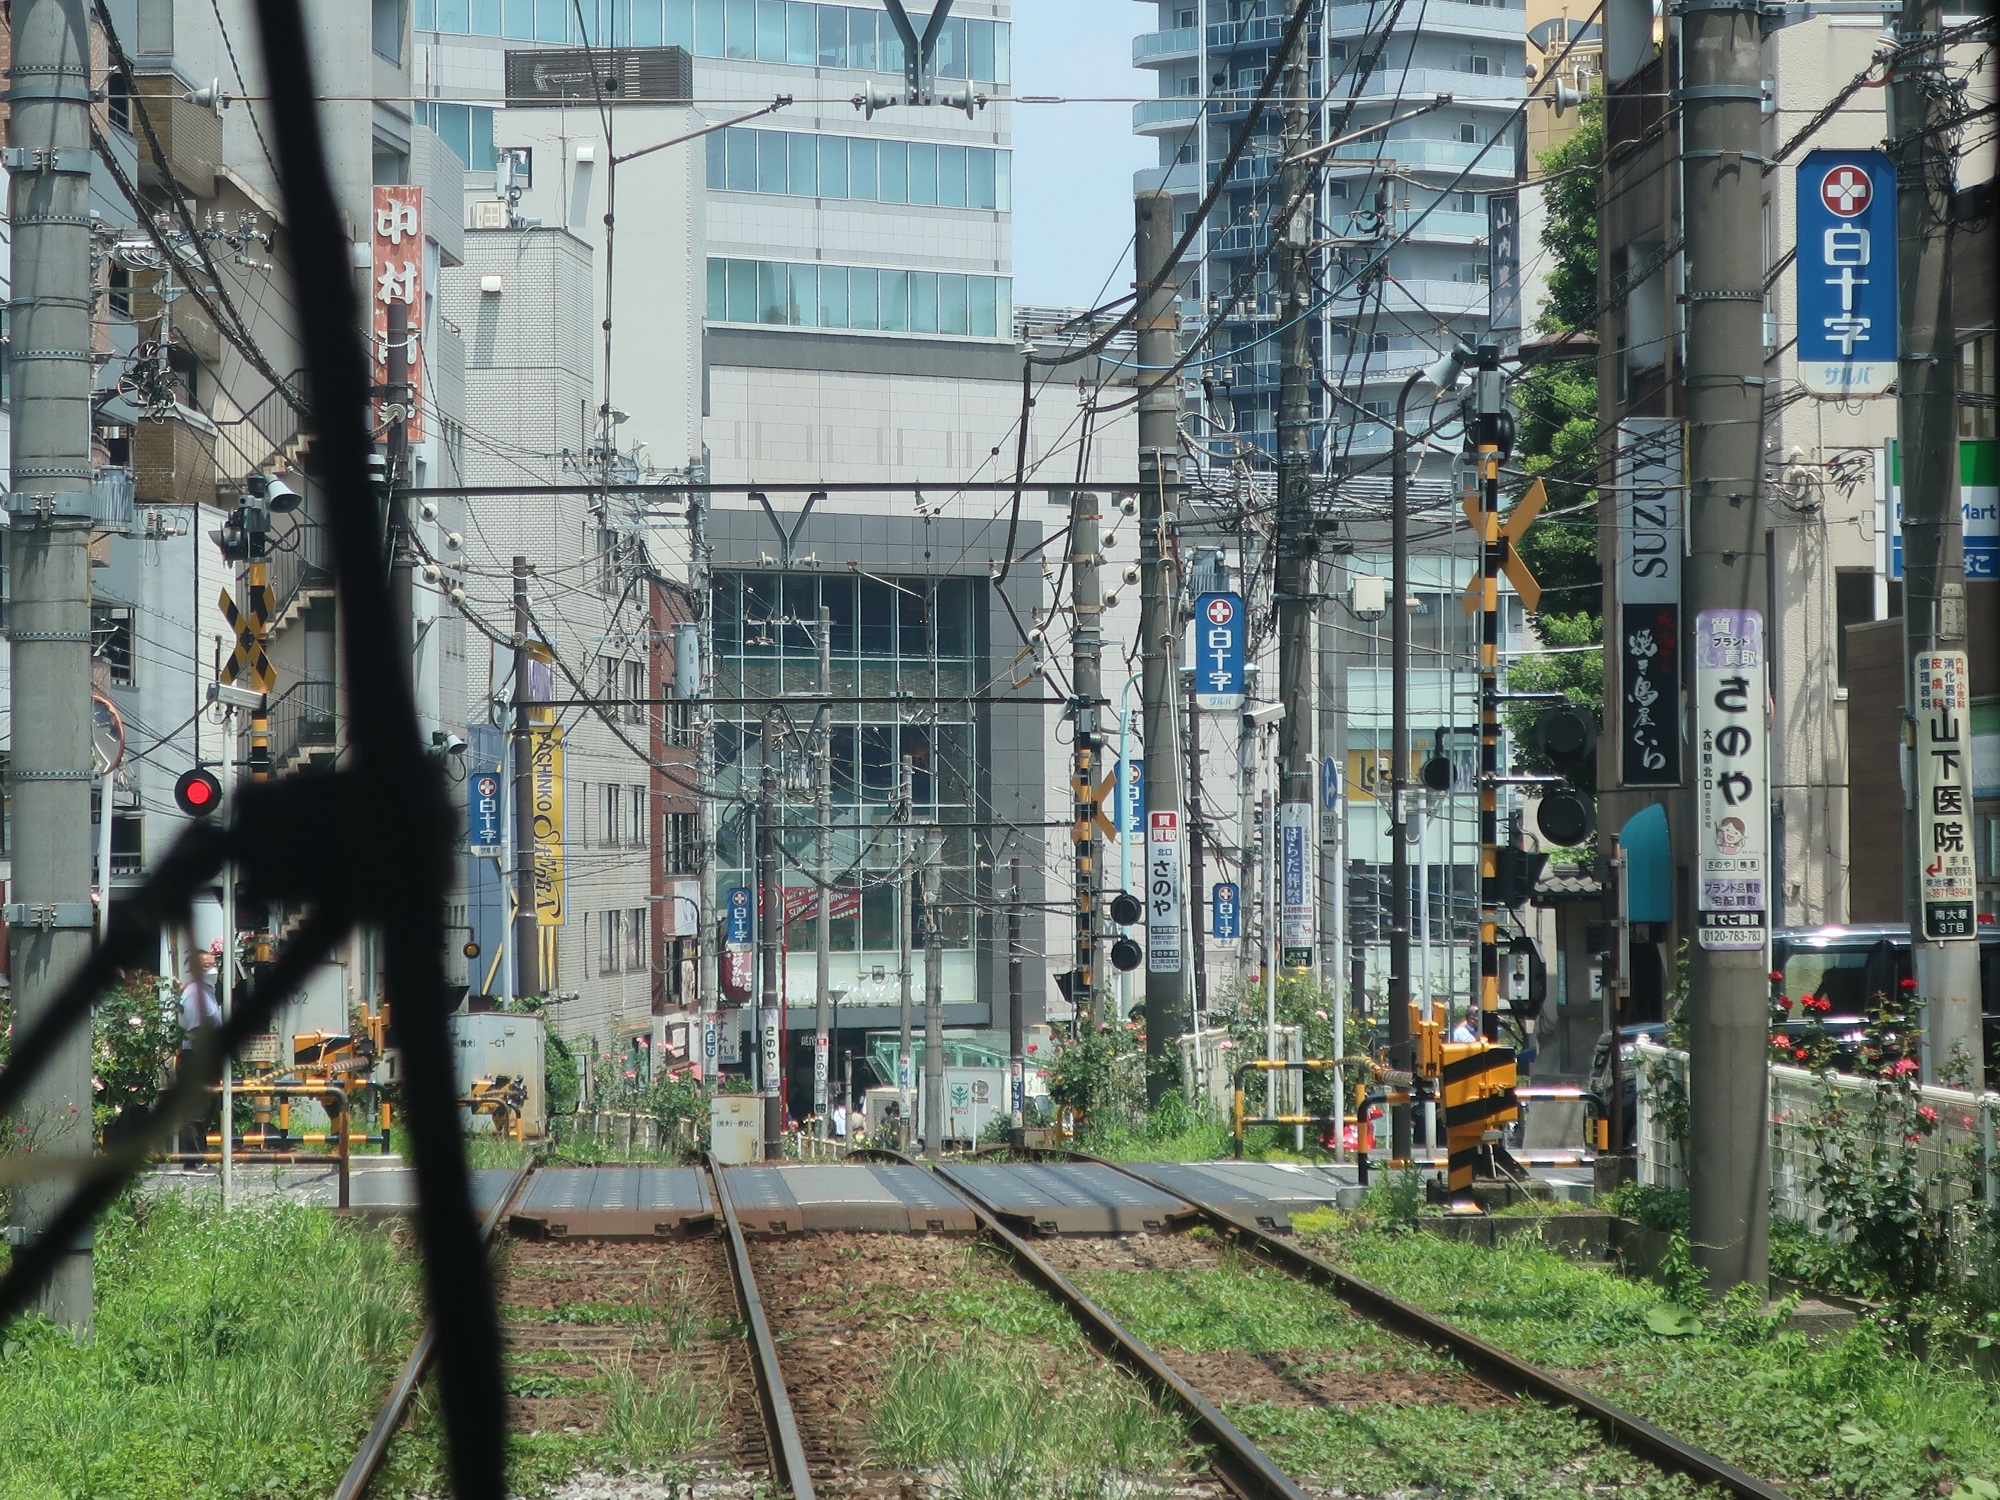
{"type": "Point", "coordinates": [1959, 1158]}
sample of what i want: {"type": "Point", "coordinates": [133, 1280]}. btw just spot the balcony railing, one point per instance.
{"type": "Point", "coordinates": [1151, 48]}
{"type": "Point", "coordinates": [1428, 155]}
{"type": "Point", "coordinates": [303, 565]}
{"type": "Point", "coordinates": [1418, 84]}
{"type": "Point", "coordinates": [303, 720]}
{"type": "Point", "coordinates": [1164, 114]}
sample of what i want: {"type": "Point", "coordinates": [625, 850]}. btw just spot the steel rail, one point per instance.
{"type": "Point", "coordinates": [1240, 1463]}
{"type": "Point", "coordinates": [375, 1446]}
{"type": "Point", "coordinates": [1489, 1362]}
{"type": "Point", "coordinates": [788, 1453]}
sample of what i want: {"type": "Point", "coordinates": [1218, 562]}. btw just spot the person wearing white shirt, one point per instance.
{"type": "Point", "coordinates": [199, 1008]}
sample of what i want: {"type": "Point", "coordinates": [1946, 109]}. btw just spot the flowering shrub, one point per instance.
{"type": "Point", "coordinates": [135, 1032]}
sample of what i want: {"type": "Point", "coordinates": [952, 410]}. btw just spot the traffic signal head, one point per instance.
{"type": "Point", "coordinates": [1567, 735]}
{"type": "Point", "coordinates": [1565, 817]}
{"type": "Point", "coordinates": [198, 793]}
{"type": "Point", "coordinates": [1125, 909]}
{"type": "Point", "coordinates": [1125, 955]}
{"type": "Point", "coordinates": [1436, 773]}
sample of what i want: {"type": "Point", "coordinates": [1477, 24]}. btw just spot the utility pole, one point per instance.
{"type": "Point", "coordinates": [933, 1001]}
{"type": "Point", "coordinates": [1944, 936]}
{"type": "Point", "coordinates": [1158, 320]}
{"type": "Point", "coordinates": [50, 503]}
{"type": "Point", "coordinates": [823, 860]}
{"type": "Point", "coordinates": [770, 931]}
{"type": "Point", "coordinates": [1294, 535]}
{"type": "Point", "coordinates": [701, 724]}
{"type": "Point", "coordinates": [1085, 643]}
{"type": "Point", "coordinates": [1725, 584]}
{"type": "Point", "coordinates": [527, 930]}
{"type": "Point", "coordinates": [1197, 889]}
{"type": "Point", "coordinates": [905, 917]}
{"type": "Point", "coordinates": [1487, 407]}
{"type": "Point", "coordinates": [1402, 1053]}
{"type": "Point", "coordinates": [1017, 1054]}
{"type": "Point", "coordinates": [1333, 820]}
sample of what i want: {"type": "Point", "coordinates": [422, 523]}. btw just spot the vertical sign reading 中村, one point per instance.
{"type": "Point", "coordinates": [1846, 273]}
{"type": "Point", "coordinates": [1945, 875]}
{"type": "Point", "coordinates": [1732, 812]}
{"type": "Point", "coordinates": [398, 259]}
{"type": "Point", "coordinates": [1218, 652]}
{"type": "Point", "coordinates": [1163, 893]}
{"type": "Point", "coordinates": [1649, 601]}
{"type": "Point", "coordinates": [1295, 912]}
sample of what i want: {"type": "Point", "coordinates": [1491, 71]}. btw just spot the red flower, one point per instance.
{"type": "Point", "coordinates": [1906, 985]}
{"type": "Point", "coordinates": [1800, 1054]}
{"type": "Point", "coordinates": [1777, 976]}
{"type": "Point", "coordinates": [1927, 1113]}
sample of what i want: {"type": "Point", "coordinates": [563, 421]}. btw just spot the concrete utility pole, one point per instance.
{"type": "Point", "coordinates": [527, 931]}
{"type": "Point", "coordinates": [1087, 601]}
{"type": "Point", "coordinates": [1293, 593]}
{"type": "Point", "coordinates": [933, 1001]}
{"type": "Point", "coordinates": [1944, 933]}
{"type": "Point", "coordinates": [770, 933]}
{"type": "Point", "coordinates": [1401, 1051]}
{"type": "Point", "coordinates": [1197, 876]}
{"type": "Point", "coordinates": [49, 551]}
{"type": "Point", "coordinates": [1722, 217]}
{"type": "Point", "coordinates": [1158, 319]}
{"type": "Point", "coordinates": [823, 861]}
{"type": "Point", "coordinates": [1333, 820]}
{"type": "Point", "coordinates": [1017, 1055]}
{"type": "Point", "coordinates": [905, 918]}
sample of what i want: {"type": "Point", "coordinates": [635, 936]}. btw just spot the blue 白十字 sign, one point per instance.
{"type": "Point", "coordinates": [737, 904]}
{"type": "Point", "coordinates": [1228, 909]}
{"type": "Point", "coordinates": [1846, 273]}
{"type": "Point", "coordinates": [1218, 651]}
{"type": "Point", "coordinates": [482, 826]}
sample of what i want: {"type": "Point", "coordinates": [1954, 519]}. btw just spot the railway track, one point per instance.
{"type": "Point", "coordinates": [820, 1318]}
{"type": "Point", "coordinates": [1251, 1471]}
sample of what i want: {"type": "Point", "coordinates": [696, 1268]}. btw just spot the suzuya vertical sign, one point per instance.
{"type": "Point", "coordinates": [1846, 273]}
{"type": "Point", "coordinates": [1945, 874]}
{"type": "Point", "coordinates": [1732, 791]}
{"type": "Point", "coordinates": [1650, 494]}
{"type": "Point", "coordinates": [1163, 893]}
{"type": "Point", "coordinates": [399, 277]}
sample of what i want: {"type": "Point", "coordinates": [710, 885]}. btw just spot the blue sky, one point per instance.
{"type": "Point", "coordinates": [1073, 163]}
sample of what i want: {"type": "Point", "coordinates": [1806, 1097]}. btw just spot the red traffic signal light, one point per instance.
{"type": "Point", "coordinates": [198, 793]}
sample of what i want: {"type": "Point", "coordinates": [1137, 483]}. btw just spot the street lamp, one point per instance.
{"type": "Point", "coordinates": [1441, 376]}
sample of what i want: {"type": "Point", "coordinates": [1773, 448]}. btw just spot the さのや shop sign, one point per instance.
{"type": "Point", "coordinates": [1732, 792]}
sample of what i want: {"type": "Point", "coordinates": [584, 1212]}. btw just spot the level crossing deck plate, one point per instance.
{"type": "Point", "coordinates": [1266, 1193]}
{"type": "Point", "coordinates": [613, 1202]}
{"type": "Point", "coordinates": [871, 1197]}
{"type": "Point", "coordinates": [1072, 1197]}
{"type": "Point", "coordinates": [381, 1192]}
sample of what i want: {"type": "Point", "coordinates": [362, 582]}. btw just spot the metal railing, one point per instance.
{"type": "Point", "coordinates": [304, 718]}
{"type": "Point", "coordinates": [302, 561]}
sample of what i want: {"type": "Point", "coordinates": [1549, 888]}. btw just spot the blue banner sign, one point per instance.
{"type": "Point", "coordinates": [482, 825]}
{"type": "Point", "coordinates": [1846, 273]}
{"type": "Point", "coordinates": [738, 906]}
{"type": "Point", "coordinates": [1228, 908]}
{"type": "Point", "coordinates": [1219, 627]}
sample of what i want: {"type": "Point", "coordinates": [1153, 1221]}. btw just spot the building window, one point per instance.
{"type": "Point", "coordinates": [386, 24]}
{"type": "Point", "coordinates": [607, 684]}
{"type": "Point", "coordinates": [635, 941]}
{"type": "Point", "coordinates": [111, 641]}
{"type": "Point", "coordinates": [771, 31]}
{"type": "Point", "coordinates": [156, 28]}
{"type": "Point", "coordinates": [862, 298]}
{"type": "Point", "coordinates": [610, 941]}
{"type": "Point", "coordinates": [1976, 387]}
{"type": "Point", "coordinates": [636, 805]}
{"type": "Point", "coordinates": [1469, 134]}
{"type": "Point", "coordinates": [635, 691]}
{"type": "Point", "coordinates": [678, 832]}
{"type": "Point", "coordinates": [1476, 65]}
{"type": "Point", "coordinates": [1468, 203]}
{"type": "Point", "coordinates": [128, 843]}
{"type": "Point", "coordinates": [743, 160]}
{"type": "Point", "coordinates": [679, 724]}
{"type": "Point", "coordinates": [468, 130]}
{"type": "Point", "coordinates": [610, 814]}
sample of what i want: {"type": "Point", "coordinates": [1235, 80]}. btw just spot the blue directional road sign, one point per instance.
{"type": "Point", "coordinates": [1228, 909]}
{"type": "Point", "coordinates": [482, 826]}
{"type": "Point", "coordinates": [1219, 627]}
{"type": "Point", "coordinates": [738, 906]}
{"type": "Point", "coordinates": [1847, 273]}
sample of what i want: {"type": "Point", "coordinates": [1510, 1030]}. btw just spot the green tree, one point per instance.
{"type": "Point", "coordinates": [1556, 402]}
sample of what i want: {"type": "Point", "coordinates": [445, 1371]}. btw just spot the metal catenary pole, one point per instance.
{"type": "Point", "coordinates": [49, 619]}
{"type": "Point", "coordinates": [1401, 1048]}
{"type": "Point", "coordinates": [770, 934]}
{"type": "Point", "coordinates": [823, 862]}
{"type": "Point", "coordinates": [1333, 822]}
{"type": "Point", "coordinates": [527, 931]}
{"type": "Point", "coordinates": [1198, 903]}
{"type": "Point", "coordinates": [1722, 217]}
{"type": "Point", "coordinates": [1295, 540]}
{"type": "Point", "coordinates": [1158, 322]}
{"type": "Point", "coordinates": [1488, 406]}
{"type": "Point", "coordinates": [1087, 764]}
{"type": "Point", "coordinates": [1944, 935]}
{"type": "Point", "coordinates": [934, 1124]}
